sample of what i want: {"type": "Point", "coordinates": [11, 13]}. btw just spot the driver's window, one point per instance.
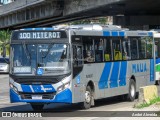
{"type": "Point", "coordinates": [77, 55]}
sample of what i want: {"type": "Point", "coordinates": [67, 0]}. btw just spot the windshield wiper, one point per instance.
{"type": "Point", "coordinates": [26, 51]}
{"type": "Point", "coordinates": [49, 49]}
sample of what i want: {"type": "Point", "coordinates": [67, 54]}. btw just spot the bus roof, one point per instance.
{"type": "Point", "coordinates": [95, 30]}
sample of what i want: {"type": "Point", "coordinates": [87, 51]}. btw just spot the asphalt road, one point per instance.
{"type": "Point", "coordinates": [109, 104]}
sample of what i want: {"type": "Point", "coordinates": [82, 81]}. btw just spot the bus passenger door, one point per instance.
{"type": "Point", "coordinates": [117, 57]}
{"type": "Point", "coordinates": [77, 73]}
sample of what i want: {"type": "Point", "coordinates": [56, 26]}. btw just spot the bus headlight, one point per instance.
{"type": "Point", "coordinates": [62, 87]}
{"type": "Point", "coordinates": [13, 87]}
{"type": "Point", "coordinates": [66, 85]}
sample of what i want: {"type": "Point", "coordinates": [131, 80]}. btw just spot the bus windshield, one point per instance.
{"type": "Point", "coordinates": [40, 59]}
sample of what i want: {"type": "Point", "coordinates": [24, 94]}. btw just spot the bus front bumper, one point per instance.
{"type": "Point", "coordinates": [62, 97]}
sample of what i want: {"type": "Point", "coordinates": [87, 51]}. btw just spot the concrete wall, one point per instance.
{"type": "Point", "coordinates": [74, 6]}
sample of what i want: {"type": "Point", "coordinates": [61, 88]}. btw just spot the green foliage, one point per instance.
{"type": "Point", "coordinates": [4, 39]}
{"type": "Point", "coordinates": [87, 21]}
{"type": "Point", "coordinates": [4, 36]}
{"type": "Point", "coordinates": [155, 100]}
{"type": "Point", "coordinates": [102, 20]}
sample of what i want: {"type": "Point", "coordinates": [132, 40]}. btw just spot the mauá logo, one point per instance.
{"type": "Point", "coordinates": [139, 67]}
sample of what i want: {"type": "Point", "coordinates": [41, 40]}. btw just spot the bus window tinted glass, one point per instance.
{"type": "Point", "coordinates": [134, 48]}
{"type": "Point", "coordinates": [107, 49]}
{"type": "Point", "coordinates": [77, 55]}
{"type": "Point", "coordinates": [157, 47]}
{"type": "Point", "coordinates": [116, 45]}
{"type": "Point", "coordinates": [88, 52]}
{"type": "Point", "coordinates": [126, 50]}
{"type": "Point", "coordinates": [149, 47]}
{"type": "Point", "coordinates": [142, 48]}
{"type": "Point", "coordinates": [99, 49]}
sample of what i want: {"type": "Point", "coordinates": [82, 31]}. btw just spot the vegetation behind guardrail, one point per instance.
{"type": "Point", "coordinates": [4, 39]}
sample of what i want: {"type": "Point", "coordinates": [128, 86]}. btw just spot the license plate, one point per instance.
{"type": "Point", "coordinates": [36, 97]}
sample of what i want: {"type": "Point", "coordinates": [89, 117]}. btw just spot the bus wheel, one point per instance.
{"type": "Point", "coordinates": [132, 90]}
{"type": "Point", "coordinates": [37, 107]}
{"type": "Point", "coordinates": [88, 98]}
{"type": "Point", "coordinates": [158, 82]}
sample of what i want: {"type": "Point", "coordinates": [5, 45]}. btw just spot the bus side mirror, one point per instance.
{"type": "Point", "coordinates": [4, 52]}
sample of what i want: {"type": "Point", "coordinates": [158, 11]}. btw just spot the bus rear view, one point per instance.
{"type": "Point", "coordinates": [40, 68]}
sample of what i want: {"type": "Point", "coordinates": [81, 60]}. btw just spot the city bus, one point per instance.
{"type": "Point", "coordinates": [79, 64]}
{"type": "Point", "coordinates": [156, 35]}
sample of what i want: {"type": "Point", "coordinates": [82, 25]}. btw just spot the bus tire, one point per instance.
{"type": "Point", "coordinates": [158, 82]}
{"type": "Point", "coordinates": [88, 98]}
{"type": "Point", "coordinates": [37, 107]}
{"type": "Point", "coordinates": [132, 90]}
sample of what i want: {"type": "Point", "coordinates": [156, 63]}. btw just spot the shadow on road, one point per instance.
{"type": "Point", "coordinates": [57, 107]}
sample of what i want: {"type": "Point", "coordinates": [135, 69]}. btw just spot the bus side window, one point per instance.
{"type": "Point", "coordinates": [99, 50]}
{"type": "Point", "coordinates": [157, 48]}
{"type": "Point", "coordinates": [134, 48]}
{"type": "Point", "coordinates": [117, 54]}
{"type": "Point", "coordinates": [77, 55]}
{"type": "Point", "coordinates": [88, 55]}
{"type": "Point", "coordinates": [107, 49]}
{"type": "Point", "coordinates": [88, 52]}
{"type": "Point", "coordinates": [142, 48]}
{"type": "Point", "coordinates": [126, 50]}
{"type": "Point", "coordinates": [149, 47]}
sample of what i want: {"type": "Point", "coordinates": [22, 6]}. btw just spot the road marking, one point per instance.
{"type": "Point", "coordinates": [82, 118]}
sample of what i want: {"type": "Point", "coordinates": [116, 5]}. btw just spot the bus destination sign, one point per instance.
{"type": "Point", "coordinates": [38, 35]}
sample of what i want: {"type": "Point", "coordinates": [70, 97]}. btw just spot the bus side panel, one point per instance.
{"type": "Point", "coordinates": [142, 71]}
{"type": "Point", "coordinates": [90, 72]}
{"type": "Point", "coordinates": [157, 69]}
{"type": "Point", "coordinates": [103, 74]}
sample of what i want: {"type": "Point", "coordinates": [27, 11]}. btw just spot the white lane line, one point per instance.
{"type": "Point", "coordinates": [82, 118]}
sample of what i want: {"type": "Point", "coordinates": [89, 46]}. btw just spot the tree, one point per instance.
{"type": "Point", "coordinates": [4, 39]}
{"type": "Point", "coordinates": [100, 20]}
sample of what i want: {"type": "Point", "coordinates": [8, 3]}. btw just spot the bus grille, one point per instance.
{"type": "Point", "coordinates": [44, 96]}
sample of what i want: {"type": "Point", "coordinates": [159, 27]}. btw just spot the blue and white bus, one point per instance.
{"type": "Point", "coordinates": [156, 34]}
{"type": "Point", "coordinates": [79, 64]}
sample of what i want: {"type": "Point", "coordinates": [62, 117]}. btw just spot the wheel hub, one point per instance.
{"type": "Point", "coordinates": [87, 96]}
{"type": "Point", "coordinates": [132, 90]}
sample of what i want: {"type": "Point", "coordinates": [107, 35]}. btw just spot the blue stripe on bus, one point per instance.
{"type": "Point", "coordinates": [114, 75]}
{"type": "Point", "coordinates": [121, 33]}
{"type": "Point", "coordinates": [106, 33]}
{"type": "Point", "coordinates": [115, 33]}
{"type": "Point", "coordinates": [37, 88]}
{"type": "Point", "coordinates": [157, 60]}
{"type": "Point", "coordinates": [62, 97]}
{"type": "Point", "coordinates": [49, 86]}
{"type": "Point", "coordinates": [26, 88]}
{"type": "Point", "coordinates": [150, 34]}
{"type": "Point", "coordinates": [123, 72]}
{"type": "Point", "coordinates": [103, 83]}
{"type": "Point", "coordinates": [152, 70]}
